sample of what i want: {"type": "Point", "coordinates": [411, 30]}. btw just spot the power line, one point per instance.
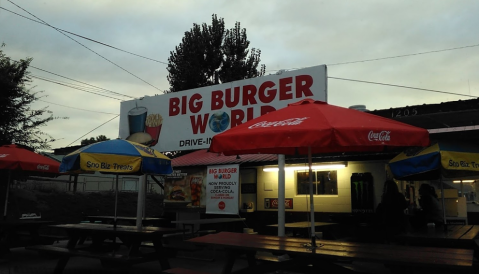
{"type": "Point", "coordinates": [99, 89]}
{"type": "Point", "coordinates": [404, 55]}
{"type": "Point", "coordinates": [80, 87]}
{"type": "Point", "coordinates": [389, 57]}
{"type": "Point", "coordinates": [86, 38]}
{"type": "Point", "coordinates": [61, 84]}
{"type": "Point", "coordinates": [86, 47]}
{"type": "Point", "coordinates": [77, 108]}
{"type": "Point", "coordinates": [113, 92]}
{"type": "Point", "coordinates": [93, 130]}
{"type": "Point", "coordinates": [344, 63]}
{"type": "Point", "coordinates": [400, 86]}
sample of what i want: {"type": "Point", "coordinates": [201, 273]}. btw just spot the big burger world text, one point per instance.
{"type": "Point", "coordinates": [222, 189]}
{"type": "Point", "coordinates": [241, 96]}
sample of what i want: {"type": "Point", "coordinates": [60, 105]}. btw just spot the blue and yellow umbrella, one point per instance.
{"type": "Point", "coordinates": [117, 157]}
{"type": "Point", "coordinates": [447, 159]}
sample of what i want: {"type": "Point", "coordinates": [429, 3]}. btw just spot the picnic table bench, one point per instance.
{"type": "Point", "coordinates": [15, 233]}
{"type": "Point", "coordinates": [178, 270]}
{"type": "Point", "coordinates": [147, 221]}
{"type": "Point", "coordinates": [404, 259]}
{"type": "Point", "coordinates": [122, 254]}
{"type": "Point", "coordinates": [298, 227]}
{"type": "Point", "coordinates": [197, 222]}
{"type": "Point", "coordinates": [88, 253]}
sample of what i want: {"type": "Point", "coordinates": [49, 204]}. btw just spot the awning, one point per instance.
{"type": "Point", "coordinates": [205, 158]}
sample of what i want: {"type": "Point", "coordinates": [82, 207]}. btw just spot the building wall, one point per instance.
{"type": "Point", "coordinates": [341, 203]}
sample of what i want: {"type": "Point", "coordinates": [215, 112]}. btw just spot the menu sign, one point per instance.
{"type": "Point", "coordinates": [186, 186]}
{"type": "Point", "coordinates": [222, 189]}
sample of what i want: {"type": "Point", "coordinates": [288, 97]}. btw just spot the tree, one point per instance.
{"type": "Point", "coordinates": [209, 55]}
{"type": "Point", "coordinates": [237, 64]}
{"type": "Point", "coordinates": [19, 123]}
{"type": "Point", "coordinates": [92, 140]}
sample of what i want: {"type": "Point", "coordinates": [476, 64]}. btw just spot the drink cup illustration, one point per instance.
{"type": "Point", "coordinates": [153, 127]}
{"type": "Point", "coordinates": [136, 119]}
{"type": "Point", "coordinates": [195, 186]}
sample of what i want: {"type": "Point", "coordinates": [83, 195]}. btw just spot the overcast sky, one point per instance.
{"type": "Point", "coordinates": [426, 44]}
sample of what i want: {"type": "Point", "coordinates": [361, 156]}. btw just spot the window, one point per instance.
{"type": "Point", "coordinates": [324, 182]}
{"type": "Point", "coordinates": [248, 181]}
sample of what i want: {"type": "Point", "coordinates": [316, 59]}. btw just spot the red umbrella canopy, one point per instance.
{"type": "Point", "coordinates": [15, 157]}
{"type": "Point", "coordinates": [323, 127]}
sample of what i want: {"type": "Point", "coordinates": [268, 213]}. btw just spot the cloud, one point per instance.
{"type": "Point", "coordinates": [290, 34]}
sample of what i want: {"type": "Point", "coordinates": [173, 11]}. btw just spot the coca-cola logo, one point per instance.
{"type": "Point", "coordinates": [3, 155]}
{"type": "Point", "coordinates": [287, 122]}
{"type": "Point", "coordinates": [43, 167]}
{"type": "Point", "coordinates": [382, 136]}
{"type": "Point", "coordinates": [221, 205]}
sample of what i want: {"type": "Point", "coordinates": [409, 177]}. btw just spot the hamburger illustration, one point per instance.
{"type": "Point", "coordinates": [177, 194]}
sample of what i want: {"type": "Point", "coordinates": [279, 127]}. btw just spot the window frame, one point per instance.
{"type": "Point", "coordinates": [305, 181]}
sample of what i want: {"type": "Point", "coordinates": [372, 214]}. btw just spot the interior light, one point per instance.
{"type": "Point", "coordinates": [314, 167]}
{"type": "Point", "coordinates": [463, 181]}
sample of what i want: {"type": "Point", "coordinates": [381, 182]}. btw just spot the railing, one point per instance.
{"type": "Point", "coordinates": [88, 184]}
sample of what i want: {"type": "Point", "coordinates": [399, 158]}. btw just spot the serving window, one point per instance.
{"type": "Point", "coordinates": [324, 182]}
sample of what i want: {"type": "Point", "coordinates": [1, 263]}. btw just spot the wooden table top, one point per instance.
{"type": "Point", "coordinates": [18, 223]}
{"type": "Point", "coordinates": [453, 236]}
{"type": "Point", "coordinates": [123, 218]}
{"type": "Point", "coordinates": [327, 249]}
{"type": "Point", "coordinates": [304, 224]}
{"type": "Point", "coordinates": [208, 221]}
{"type": "Point", "coordinates": [451, 232]}
{"type": "Point", "coordinates": [120, 229]}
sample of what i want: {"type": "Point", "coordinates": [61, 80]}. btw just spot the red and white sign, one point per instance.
{"type": "Point", "coordinates": [189, 119]}
{"type": "Point", "coordinates": [222, 189]}
{"type": "Point", "coordinates": [272, 203]}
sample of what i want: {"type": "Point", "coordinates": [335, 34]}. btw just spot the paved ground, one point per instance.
{"type": "Point", "coordinates": [21, 261]}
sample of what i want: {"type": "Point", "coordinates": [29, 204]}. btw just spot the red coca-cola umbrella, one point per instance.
{"type": "Point", "coordinates": [16, 158]}
{"type": "Point", "coordinates": [312, 127]}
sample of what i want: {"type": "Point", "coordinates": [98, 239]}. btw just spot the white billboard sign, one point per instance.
{"type": "Point", "coordinates": [187, 120]}
{"type": "Point", "coordinates": [222, 189]}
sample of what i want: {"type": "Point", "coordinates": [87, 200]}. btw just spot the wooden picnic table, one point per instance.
{"type": "Point", "coordinates": [301, 226]}
{"type": "Point", "coordinates": [15, 233]}
{"type": "Point", "coordinates": [405, 259]}
{"type": "Point", "coordinates": [122, 219]}
{"type": "Point", "coordinates": [107, 251]}
{"type": "Point", "coordinates": [197, 222]}
{"type": "Point", "coordinates": [449, 236]}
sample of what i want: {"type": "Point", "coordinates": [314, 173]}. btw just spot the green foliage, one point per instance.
{"type": "Point", "coordinates": [209, 55]}
{"type": "Point", "coordinates": [237, 65]}
{"type": "Point", "coordinates": [92, 140]}
{"type": "Point", "coordinates": [19, 123]}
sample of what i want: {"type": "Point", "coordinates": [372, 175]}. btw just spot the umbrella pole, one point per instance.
{"type": "Point", "coordinates": [443, 204]}
{"type": "Point", "coordinates": [281, 195]}
{"type": "Point", "coordinates": [6, 195]}
{"type": "Point", "coordinates": [311, 199]}
{"type": "Point", "coordinates": [141, 201]}
{"type": "Point", "coordinates": [116, 201]}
